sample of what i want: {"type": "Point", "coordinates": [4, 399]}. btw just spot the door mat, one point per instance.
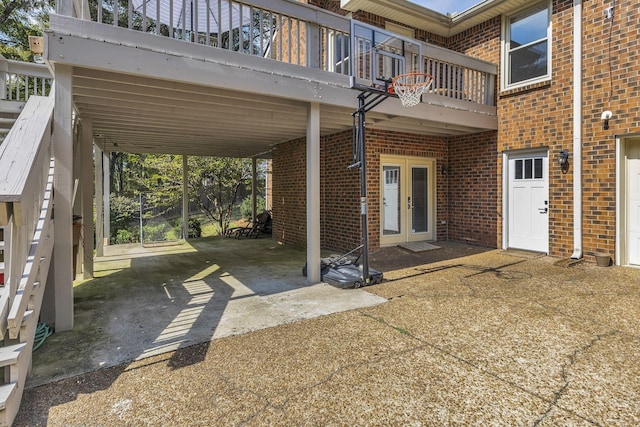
{"type": "Point", "coordinates": [419, 246]}
{"type": "Point", "coordinates": [521, 253]}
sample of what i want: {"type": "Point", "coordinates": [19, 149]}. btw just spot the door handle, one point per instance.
{"type": "Point", "coordinates": [543, 210]}
{"type": "Point", "coordinates": [409, 205]}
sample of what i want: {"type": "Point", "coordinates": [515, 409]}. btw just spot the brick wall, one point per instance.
{"type": "Point", "coordinates": [289, 192]}
{"type": "Point", "coordinates": [540, 116]}
{"type": "Point", "coordinates": [472, 193]}
{"type": "Point", "coordinates": [534, 117]}
{"type": "Point", "coordinates": [339, 194]}
{"type": "Point", "coordinates": [466, 200]}
{"type": "Point", "coordinates": [611, 80]}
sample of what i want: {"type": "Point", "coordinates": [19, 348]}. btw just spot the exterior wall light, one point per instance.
{"type": "Point", "coordinates": [605, 117]}
{"type": "Point", "coordinates": [563, 160]}
{"type": "Point", "coordinates": [36, 46]}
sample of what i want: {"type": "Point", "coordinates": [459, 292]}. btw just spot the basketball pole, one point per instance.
{"type": "Point", "coordinates": [365, 104]}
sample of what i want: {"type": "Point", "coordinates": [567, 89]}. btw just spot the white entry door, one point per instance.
{"type": "Point", "coordinates": [528, 196]}
{"type": "Point", "coordinates": [407, 211]}
{"type": "Point", "coordinates": [633, 202]}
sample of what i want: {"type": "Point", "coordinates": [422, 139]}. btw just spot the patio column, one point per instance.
{"type": "Point", "coordinates": [88, 242]}
{"type": "Point", "coordinates": [185, 197]}
{"type": "Point", "coordinates": [254, 185]}
{"type": "Point", "coordinates": [106, 193]}
{"type": "Point", "coordinates": [99, 177]}
{"type": "Point", "coordinates": [61, 288]}
{"type": "Point", "coordinates": [76, 195]}
{"type": "Point", "coordinates": [313, 193]}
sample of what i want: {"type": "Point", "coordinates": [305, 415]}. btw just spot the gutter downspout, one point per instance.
{"type": "Point", "coordinates": [577, 129]}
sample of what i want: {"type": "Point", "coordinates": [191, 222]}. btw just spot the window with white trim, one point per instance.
{"type": "Point", "coordinates": [527, 47]}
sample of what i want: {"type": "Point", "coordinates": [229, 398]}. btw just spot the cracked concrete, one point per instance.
{"type": "Point", "coordinates": [492, 338]}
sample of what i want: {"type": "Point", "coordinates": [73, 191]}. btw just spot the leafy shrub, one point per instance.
{"type": "Point", "coordinates": [124, 211]}
{"type": "Point", "coordinates": [194, 229]}
{"type": "Point", "coordinates": [246, 208]}
{"type": "Point", "coordinates": [124, 236]}
{"type": "Point", "coordinates": [155, 232]}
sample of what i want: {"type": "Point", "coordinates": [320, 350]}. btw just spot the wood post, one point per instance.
{"type": "Point", "coordinates": [313, 193]}
{"type": "Point", "coordinates": [63, 190]}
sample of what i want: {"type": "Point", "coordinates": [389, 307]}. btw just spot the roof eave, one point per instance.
{"type": "Point", "coordinates": [421, 17]}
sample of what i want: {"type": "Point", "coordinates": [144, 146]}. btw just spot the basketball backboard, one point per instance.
{"type": "Point", "coordinates": [379, 55]}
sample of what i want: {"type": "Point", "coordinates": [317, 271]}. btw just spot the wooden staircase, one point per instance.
{"type": "Point", "coordinates": [26, 242]}
{"type": "Point", "coordinates": [6, 122]}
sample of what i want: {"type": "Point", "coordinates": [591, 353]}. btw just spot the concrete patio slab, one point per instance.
{"type": "Point", "coordinates": [150, 300]}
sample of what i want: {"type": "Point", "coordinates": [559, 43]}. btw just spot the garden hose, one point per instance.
{"type": "Point", "coordinates": [42, 332]}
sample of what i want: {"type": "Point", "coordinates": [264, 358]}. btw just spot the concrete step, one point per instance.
{"type": "Point", "coordinates": [7, 121]}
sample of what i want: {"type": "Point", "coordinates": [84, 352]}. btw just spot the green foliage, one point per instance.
{"type": "Point", "coordinates": [155, 232]}
{"type": "Point", "coordinates": [194, 228]}
{"type": "Point", "coordinates": [20, 19]}
{"type": "Point", "coordinates": [214, 183]}
{"type": "Point", "coordinates": [125, 236]}
{"type": "Point", "coordinates": [124, 212]}
{"type": "Point", "coordinates": [246, 208]}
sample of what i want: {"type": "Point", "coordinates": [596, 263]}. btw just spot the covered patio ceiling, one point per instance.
{"type": "Point", "coordinates": [146, 115]}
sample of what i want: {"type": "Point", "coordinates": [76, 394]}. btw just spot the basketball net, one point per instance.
{"type": "Point", "coordinates": [410, 86]}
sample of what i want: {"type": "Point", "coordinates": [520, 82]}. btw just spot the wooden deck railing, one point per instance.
{"type": "Point", "coordinates": [285, 31]}
{"type": "Point", "coordinates": [20, 80]}
{"type": "Point", "coordinates": [297, 33]}
{"type": "Point", "coordinates": [26, 188]}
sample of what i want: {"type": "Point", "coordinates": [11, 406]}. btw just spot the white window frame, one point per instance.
{"type": "Point", "coordinates": [506, 57]}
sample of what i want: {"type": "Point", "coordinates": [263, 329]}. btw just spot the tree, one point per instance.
{"type": "Point", "coordinates": [20, 19]}
{"type": "Point", "coordinates": [214, 183]}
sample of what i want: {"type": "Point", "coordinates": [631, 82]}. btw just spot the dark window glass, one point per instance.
{"type": "Point", "coordinates": [537, 166]}
{"type": "Point", "coordinates": [518, 169]}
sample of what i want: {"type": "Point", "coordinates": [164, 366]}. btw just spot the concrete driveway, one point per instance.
{"type": "Point", "coordinates": [493, 338]}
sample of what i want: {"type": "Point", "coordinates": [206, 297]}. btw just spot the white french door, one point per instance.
{"type": "Point", "coordinates": [407, 200]}
{"type": "Point", "coordinates": [528, 197]}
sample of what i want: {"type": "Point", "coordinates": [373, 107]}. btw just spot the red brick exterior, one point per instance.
{"type": "Point", "coordinates": [536, 117]}
{"type": "Point", "coordinates": [540, 116]}
{"type": "Point", "coordinates": [473, 196]}
{"type": "Point", "coordinates": [289, 195]}
{"type": "Point", "coordinates": [469, 215]}
{"type": "Point", "coordinates": [611, 79]}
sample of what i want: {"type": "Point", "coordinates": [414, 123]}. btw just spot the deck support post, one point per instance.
{"type": "Point", "coordinates": [99, 177]}
{"type": "Point", "coordinates": [313, 193]}
{"type": "Point", "coordinates": [60, 277]}
{"type": "Point", "coordinates": [86, 179]}
{"type": "Point", "coordinates": [185, 197]}
{"type": "Point", "coordinates": [106, 193]}
{"type": "Point", "coordinates": [254, 188]}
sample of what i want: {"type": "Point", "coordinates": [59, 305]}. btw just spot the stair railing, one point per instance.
{"type": "Point", "coordinates": [26, 189]}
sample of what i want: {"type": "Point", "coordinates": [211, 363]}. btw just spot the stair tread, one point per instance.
{"type": "Point", "coordinates": [6, 391]}
{"type": "Point", "coordinates": [9, 354]}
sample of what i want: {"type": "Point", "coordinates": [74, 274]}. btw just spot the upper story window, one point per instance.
{"type": "Point", "coordinates": [527, 47]}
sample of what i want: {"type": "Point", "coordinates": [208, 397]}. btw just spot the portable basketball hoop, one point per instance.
{"type": "Point", "coordinates": [410, 86]}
